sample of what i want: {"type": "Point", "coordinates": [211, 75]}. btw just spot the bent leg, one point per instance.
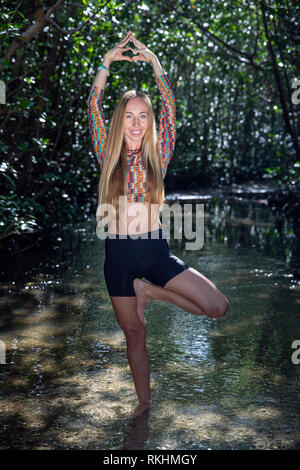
{"type": "Point", "coordinates": [189, 290]}
{"type": "Point", "coordinates": [135, 334]}
{"type": "Point", "coordinates": [146, 292]}
{"type": "Point", "coordinates": [201, 291]}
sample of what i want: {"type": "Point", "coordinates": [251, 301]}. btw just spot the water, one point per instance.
{"type": "Point", "coordinates": [216, 384]}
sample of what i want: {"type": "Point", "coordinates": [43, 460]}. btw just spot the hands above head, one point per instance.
{"type": "Point", "coordinates": [116, 53]}
{"type": "Point", "coordinates": [144, 54]}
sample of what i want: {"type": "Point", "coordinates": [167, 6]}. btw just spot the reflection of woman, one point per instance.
{"type": "Point", "coordinates": [134, 164]}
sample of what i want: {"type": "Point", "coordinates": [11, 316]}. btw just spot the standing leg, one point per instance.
{"type": "Point", "coordinates": [135, 333]}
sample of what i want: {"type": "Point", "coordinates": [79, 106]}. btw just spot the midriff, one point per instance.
{"type": "Point", "coordinates": [136, 219]}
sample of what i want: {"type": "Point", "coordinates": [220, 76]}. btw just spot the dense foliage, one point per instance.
{"type": "Point", "coordinates": [233, 66]}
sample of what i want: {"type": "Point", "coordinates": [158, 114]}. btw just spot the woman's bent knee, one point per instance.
{"type": "Point", "coordinates": [219, 310]}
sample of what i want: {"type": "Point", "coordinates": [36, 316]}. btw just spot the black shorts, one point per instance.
{"type": "Point", "coordinates": [127, 258]}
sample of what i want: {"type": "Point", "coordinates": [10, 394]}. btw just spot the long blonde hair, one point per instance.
{"type": "Point", "coordinates": [113, 180]}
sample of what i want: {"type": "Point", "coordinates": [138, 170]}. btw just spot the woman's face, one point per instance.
{"type": "Point", "coordinates": [136, 121]}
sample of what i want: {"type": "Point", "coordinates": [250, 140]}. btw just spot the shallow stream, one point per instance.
{"type": "Point", "coordinates": [216, 384]}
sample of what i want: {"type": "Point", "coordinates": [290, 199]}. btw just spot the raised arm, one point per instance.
{"type": "Point", "coordinates": [97, 122]}
{"type": "Point", "coordinates": [167, 124]}
{"type": "Point", "coordinates": [94, 102]}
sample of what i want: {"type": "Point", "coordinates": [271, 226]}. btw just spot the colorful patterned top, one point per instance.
{"type": "Point", "coordinates": [138, 184]}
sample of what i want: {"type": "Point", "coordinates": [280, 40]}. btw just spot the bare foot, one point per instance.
{"type": "Point", "coordinates": [141, 297]}
{"type": "Point", "coordinates": [140, 409]}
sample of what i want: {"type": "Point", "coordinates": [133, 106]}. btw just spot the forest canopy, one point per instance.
{"type": "Point", "coordinates": [234, 68]}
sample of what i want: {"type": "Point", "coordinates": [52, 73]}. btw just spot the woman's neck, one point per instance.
{"type": "Point", "coordinates": [131, 147]}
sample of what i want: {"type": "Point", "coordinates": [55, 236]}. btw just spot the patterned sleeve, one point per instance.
{"type": "Point", "coordinates": [167, 125]}
{"type": "Point", "coordinates": [97, 123]}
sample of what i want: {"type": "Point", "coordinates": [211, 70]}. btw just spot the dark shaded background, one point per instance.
{"type": "Point", "coordinates": [231, 64]}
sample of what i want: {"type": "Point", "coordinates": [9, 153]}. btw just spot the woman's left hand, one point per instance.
{"type": "Point", "coordinates": [144, 54]}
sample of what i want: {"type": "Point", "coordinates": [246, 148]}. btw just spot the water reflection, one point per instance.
{"type": "Point", "coordinates": [226, 384]}
{"type": "Point", "coordinates": [137, 433]}
{"type": "Point", "coordinates": [239, 222]}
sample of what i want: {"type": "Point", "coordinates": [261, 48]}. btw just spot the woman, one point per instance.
{"type": "Point", "coordinates": [133, 164]}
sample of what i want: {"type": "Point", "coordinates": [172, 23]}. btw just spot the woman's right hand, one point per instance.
{"type": "Point", "coordinates": [116, 53]}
